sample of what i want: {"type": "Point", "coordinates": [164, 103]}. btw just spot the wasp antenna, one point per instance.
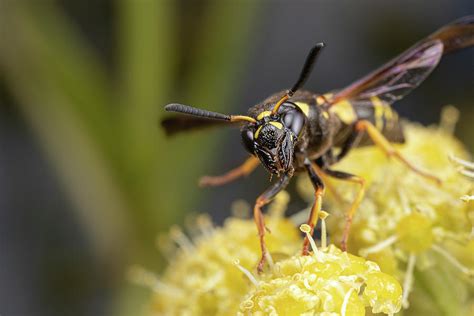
{"type": "Point", "coordinates": [280, 102]}
{"type": "Point", "coordinates": [307, 68]}
{"type": "Point", "coordinates": [189, 110]}
{"type": "Point", "coordinates": [305, 72]}
{"type": "Point", "coordinates": [242, 118]}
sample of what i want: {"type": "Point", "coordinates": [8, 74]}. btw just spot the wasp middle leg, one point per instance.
{"type": "Point", "coordinates": [380, 140]}
{"type": "Point", "coordinates": [241, 171]}
{"type": "Point", "coordinates": [263, 200]}
{"type": "Point", "coordinates": [355, 204]}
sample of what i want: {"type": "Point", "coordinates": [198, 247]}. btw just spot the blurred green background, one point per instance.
{"type": "Point", "coordinates": [88, 180]}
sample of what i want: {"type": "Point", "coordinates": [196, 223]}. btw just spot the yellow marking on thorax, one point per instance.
{"type": "Point", "coordinates": [304, 107]}
{"type": "Point", "coordinates": [263, 114]}
{"type": "Point", "coordinates": [322, 99]}
{"type": "Point", "coordinates": [381, 110]}
{"type": "Point", "coordinates": [389, 117]}
{"type": "Point", "coordinates": [345, 111]}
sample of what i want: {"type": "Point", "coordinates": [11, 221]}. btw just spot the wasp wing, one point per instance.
{"type": "Point", "coordinates": [175, 124]}
{"type": "Point", "coordinates": [397, 78]}
{"type": "Point", "coordinates": [405, 72]}
{"type": "Point", "coordinates": [456, 35]}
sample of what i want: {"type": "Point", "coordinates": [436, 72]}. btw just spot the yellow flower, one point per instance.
{"type": "Point", "coordinates": [465, 168]}
{"type": "Point", "coordinates": [407, 223]}
{"type": "Point", "coordinates": [328, 282]}
{"type": "Point", "coordinates": [211, 274]}
{"type": "Point", "coordinates": [202, 278]}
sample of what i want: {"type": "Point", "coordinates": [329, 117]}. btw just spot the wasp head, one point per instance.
{"type": "Point", "coordinates": [274, 136]}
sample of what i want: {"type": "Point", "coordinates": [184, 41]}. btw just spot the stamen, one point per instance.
{"type": "Point", "coordinates": [467, 198]}
{"type": "Point", "coordinates": [346, 301]}
{"type": "Point", "coordinates": [143, 277]}
{"type": "Point", "coordinates": [404, 201]}
{"type": "Point", "coordinates": [181, 239]}
{"type": "Point", "coordinates": [408, 281]}
{"type": "Point", "coordinates": [305, 228]}
{"type": "Point", "coordinates": [307, 285]}
{"type": "Point", "coordinates": [247, 305]}
{"type": "Point", "coordinates": [240, 209]}
{"type": "Point", "coordinates": [465, 168]}
{"type": "Point", "coordinates": [462, 162]}
{"type": "Point", "coordinates": [247, 273]}
{"type": "Point", "coordinates": [443, 234]}
{"type": "Point", "coordinates": [204, 224]}
{"type": "Point", "coordinates": [449, 119]}
{"type": "Point", "coordinates": [166, 246]}
{"type": "Point", "coordinates": [453, 260]}
{"type": "Point", "coordinates": [467, 173]}
{"type": "Point", "coordinates": [322, 215]}
{"type": "Point", "coordinates": [211, 282]}
{"type": "Point", "coordinates": [364, 252]}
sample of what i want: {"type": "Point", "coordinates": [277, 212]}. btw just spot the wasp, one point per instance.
{"type": "Point", "coordinates": [295, 131]}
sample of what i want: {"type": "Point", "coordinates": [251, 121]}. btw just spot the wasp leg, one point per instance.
{"type": "Point", "coordinates": [319, 171]}
{"type": "Point", "coordinates": [355, 204]}
{"type": "Point", "coordinates": [241, 171]}
{"type": "Point", "coordinates": [261, 201]}
{"type": "Point", "coordinates": [383, 143]}
{"type": "Point", "coordinates": [318, 193]}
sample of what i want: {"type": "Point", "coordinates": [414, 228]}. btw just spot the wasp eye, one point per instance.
{"type": "Point", "coordinates": [294, 120]}
{"type": "Point", "coordinates": [247, 140]}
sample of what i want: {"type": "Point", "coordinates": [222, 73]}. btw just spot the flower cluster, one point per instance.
{"type": "Point", "coordinates": [211, 274]}
{"type": "Point", "coordinates": [202, 278]}
{"type": "Point", "coordinates": [408, 224]}
{"type": "Point", "coordinates": [327, 282]}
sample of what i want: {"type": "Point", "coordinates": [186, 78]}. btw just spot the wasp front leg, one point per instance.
{"type": "Point", "coordinates": [241, 171]}
{"type": "Point", "coordinates": [263, 200]}
{"type": "Point", "coordinates": [316, 208]}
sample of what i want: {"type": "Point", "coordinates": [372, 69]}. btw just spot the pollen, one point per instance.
{"type": "Point", "coordinates": [332, 283]}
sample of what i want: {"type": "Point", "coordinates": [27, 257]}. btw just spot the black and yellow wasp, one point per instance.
{"type": "Point", "coordinates": [301, 131]}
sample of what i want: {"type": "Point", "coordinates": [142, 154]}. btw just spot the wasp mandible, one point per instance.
{"type": "Point", "coordinates": [297, 131]}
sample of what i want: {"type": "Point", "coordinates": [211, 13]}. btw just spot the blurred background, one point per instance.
{"type": "Point", "coordinates": [87, 178]}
